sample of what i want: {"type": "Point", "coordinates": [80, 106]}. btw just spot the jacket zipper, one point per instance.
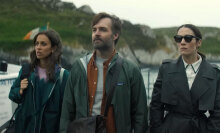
{"type": "Point", "coordinates": [84, 64]}
{"type": "Point", "coordinates": [46, 101]}
{"type": "Point", "coordinates": [34, 108]}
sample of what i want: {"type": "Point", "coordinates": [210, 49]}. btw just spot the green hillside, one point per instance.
{"type": "Point", "coordinates": [18, 17]}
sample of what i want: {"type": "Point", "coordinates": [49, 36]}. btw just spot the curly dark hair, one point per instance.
{"type": "Point", "coordinates": [54, 58]}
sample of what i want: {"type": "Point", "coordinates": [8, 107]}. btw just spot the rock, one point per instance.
{"type": "Point", "coordinates": [153, 58]}
{"type": "Point", "coordinates": [147, 31]}
{"type": "Point", "coordinates": [127, 53]}
{"type": "Point", "coordinates": [171, 46]}
{"type": "Point", "coordinates": [210, 34]}
{"type": "Point", "coordinates": [70, 54]}
{"type": "Point", "coordinates": [86, 9]}
{"type": "Point", "coordinates": [65, 5]}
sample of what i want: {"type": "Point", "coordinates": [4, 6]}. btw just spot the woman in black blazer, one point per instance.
{"type": "Point", "coordinates": [186, 94]}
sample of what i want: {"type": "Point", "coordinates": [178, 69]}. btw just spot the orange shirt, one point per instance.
{"type": "Point", "coordinates": [92, 76]}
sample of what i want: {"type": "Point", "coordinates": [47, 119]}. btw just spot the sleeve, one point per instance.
{"type": "Point", "coordinates": [14, 94]}
{"type": "Point", "coordinates": [63, 83]}
{"type": "Point", "coordinates": [213, 124]}
{"type": "Point", "coordinates": [68, 105]}
{"type": "Point", "coordinates": [139, 113]}
{"type": "Point", "coordinates": [156, 107]}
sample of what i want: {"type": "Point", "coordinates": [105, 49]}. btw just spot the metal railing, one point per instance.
{"type": "Point", "coordinates": [149, 76]}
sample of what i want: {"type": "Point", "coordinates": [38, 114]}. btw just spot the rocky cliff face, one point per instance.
{"type": "Point", "coordinates": [61, 5]}
{"type": "Point", "coordinates": [138, 43]}
{"type": "Point", "coordinates": [138, 56]}
{"type": "Point", "coordinates": [86, 9]}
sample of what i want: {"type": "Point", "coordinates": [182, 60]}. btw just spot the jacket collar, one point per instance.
{"type": "Point", "coordinates": [33, 76]}
{"type": "Point", "coordinates": [178, 79]}
{"type": "Point", "coordinates": [195, 66]}
{"type": "Point", "coordinates": [201, 83]}
{"type": "Point", "coordinates": [85, 60]}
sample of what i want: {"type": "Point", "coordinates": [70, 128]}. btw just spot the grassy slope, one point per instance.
{"type": "Point", "coordinates": [18, 17]}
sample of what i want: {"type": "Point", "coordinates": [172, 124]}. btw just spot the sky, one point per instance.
{"type": "Point", "coordinates": [159, 13]}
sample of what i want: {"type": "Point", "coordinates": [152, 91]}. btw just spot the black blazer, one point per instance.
{"type": "Point", "coordinates": [175, 108]}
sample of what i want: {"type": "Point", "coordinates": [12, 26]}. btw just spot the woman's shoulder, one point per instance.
{"type": "Point", "coordinates": [64, 71]}
{"type": "Point", "coordinates": [216, 67]}
{"type": "Point", "coordinates": [210, 65]}
{"type": "Point", "coordinates": [165, 61]}
{"type": "Point", "coordinates": [169, 62]}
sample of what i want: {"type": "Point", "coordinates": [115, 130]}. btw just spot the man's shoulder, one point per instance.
{"type": "Point", "coordinates": [130, 66]}
{"type": "Point", "coordinates": [77, 64]}
{"type": "Point", "coordinates": [83, 58]}
{"type": "Point", "coordinates": [129, 63]}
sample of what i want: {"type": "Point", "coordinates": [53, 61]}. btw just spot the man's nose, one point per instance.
{"type": "Point", "coordinates": [97, 32]}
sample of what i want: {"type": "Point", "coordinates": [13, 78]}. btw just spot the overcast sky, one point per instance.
{"type": "Point", "coordinates": [159, 13]}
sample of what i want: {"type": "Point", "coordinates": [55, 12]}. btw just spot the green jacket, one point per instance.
{"type": "Point", "coordinates": [129, 99]}
{"type": "Point", "coordinates": [46, 118]}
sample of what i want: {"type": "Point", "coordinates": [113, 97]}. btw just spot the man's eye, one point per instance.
{"type": "Point", "coordinates": [103, 29]}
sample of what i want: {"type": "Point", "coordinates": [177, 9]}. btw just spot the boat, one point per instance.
{"type": "Point", "coordinates": [8, 74]}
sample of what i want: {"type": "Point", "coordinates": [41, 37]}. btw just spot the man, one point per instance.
{"type": "Point", "coordinates": [88, 84]}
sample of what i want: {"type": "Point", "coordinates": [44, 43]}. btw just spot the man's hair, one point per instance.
{"type": "Point", "coordinates": [116, 23]}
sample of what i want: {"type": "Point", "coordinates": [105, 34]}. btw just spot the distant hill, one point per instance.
{"type": "Point", "coordinates": [20, 16]}
{"type": "Point", "coordinates": [138, 43]}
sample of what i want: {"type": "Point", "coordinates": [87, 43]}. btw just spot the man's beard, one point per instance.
{"type": "Point", "coordinates": [102, 45]}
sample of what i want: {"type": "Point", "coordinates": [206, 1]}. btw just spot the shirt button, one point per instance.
{"type": "Point", "coordinates": [94, 83]}
{"type": "Point", "coordinates": [91, 96]}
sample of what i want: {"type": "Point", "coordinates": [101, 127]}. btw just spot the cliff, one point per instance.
{"type": "Point", "coordinates": [138, 43]}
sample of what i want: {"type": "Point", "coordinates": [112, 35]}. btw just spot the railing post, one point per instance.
{"type": "Point", "coordinates": [148, 86]}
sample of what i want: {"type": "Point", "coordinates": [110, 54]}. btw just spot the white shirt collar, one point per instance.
{"type": "Point", "coordinates": [195, 65]}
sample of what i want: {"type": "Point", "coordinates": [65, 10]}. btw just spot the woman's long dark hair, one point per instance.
{"type": "Point", "coordinates": [54, 58]}
{"type": "Point", "coordinates": [195, 30]}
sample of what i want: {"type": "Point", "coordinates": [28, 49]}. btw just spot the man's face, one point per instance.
{"type": "Point", "coordinates": [102, 35]}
